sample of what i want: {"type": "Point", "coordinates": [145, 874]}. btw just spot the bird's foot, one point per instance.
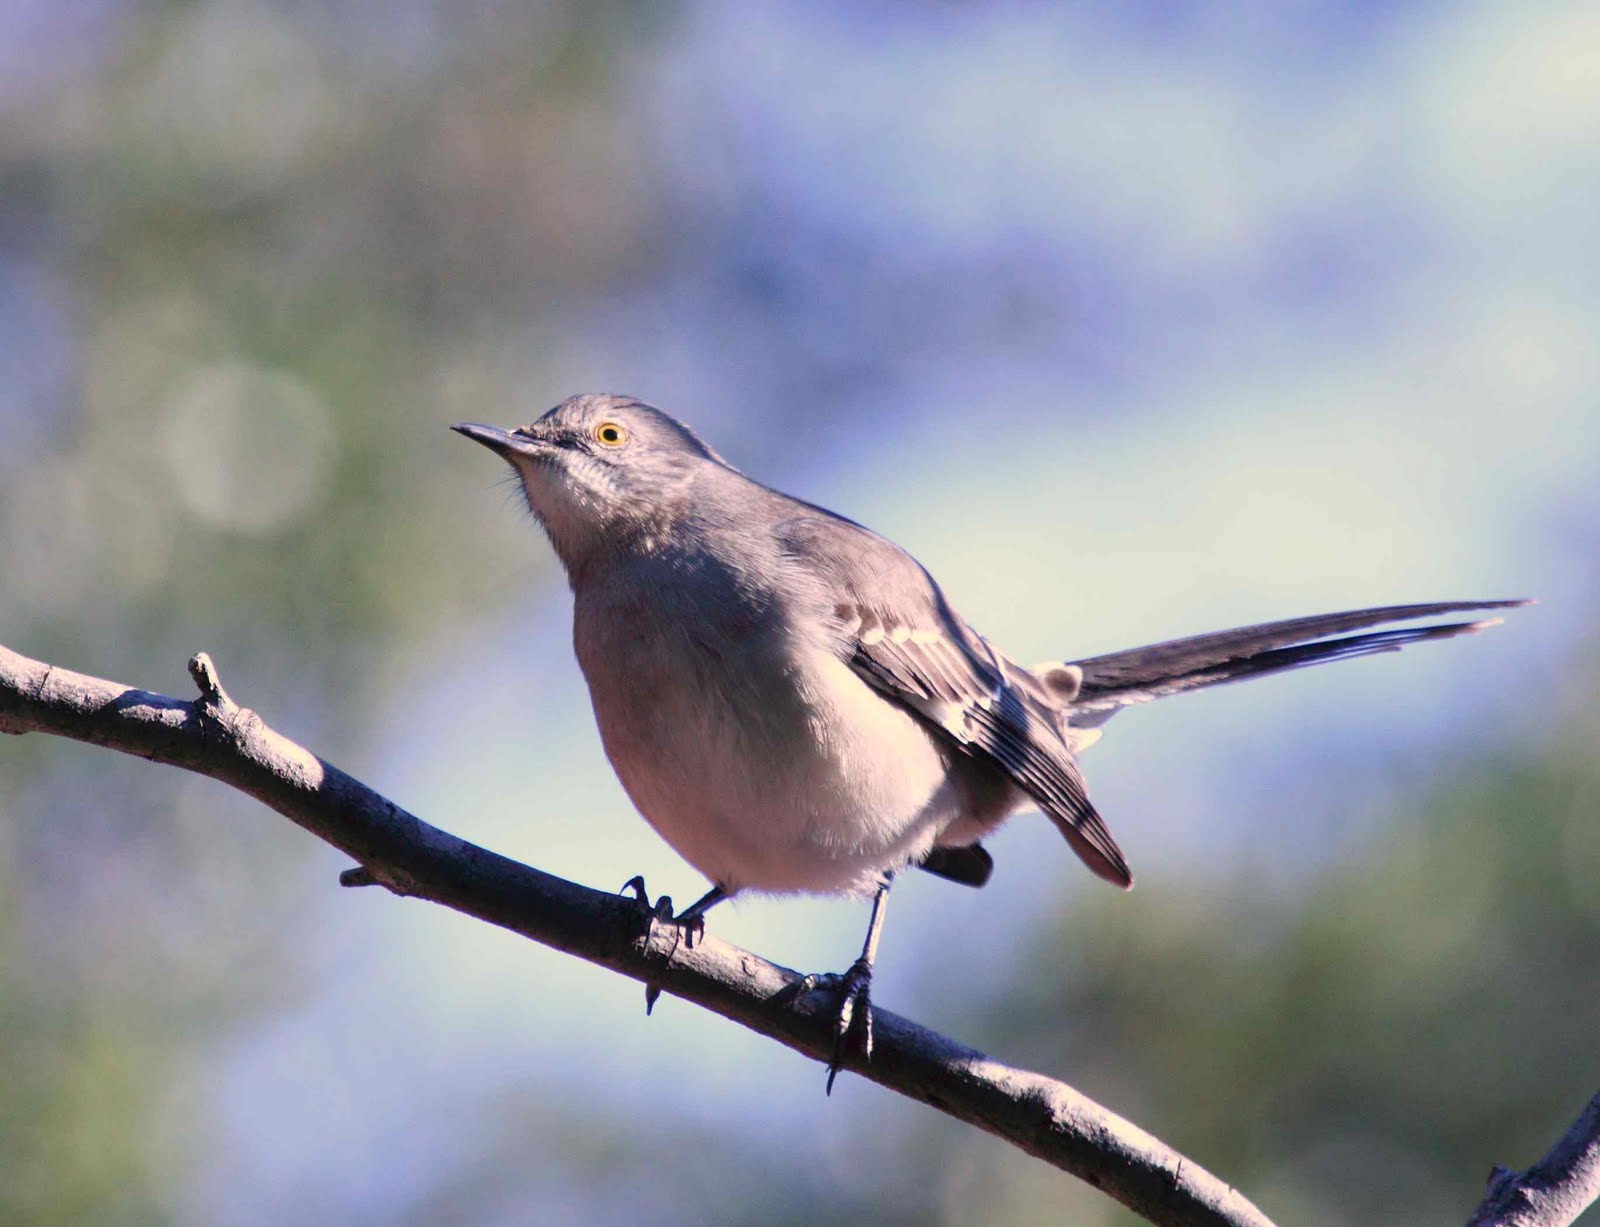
{"type": "Point", "coordinates": [854, 1013]}
{"type": "Point", "coordinates": [854, 1016]}
{"type": "Point", "coordinates": [691, 925]}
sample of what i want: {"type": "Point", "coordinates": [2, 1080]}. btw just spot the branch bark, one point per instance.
{"type": "Point", "coordinates": [1555, 1190]}
{"type": "Point", "coordinates": [215, 737]}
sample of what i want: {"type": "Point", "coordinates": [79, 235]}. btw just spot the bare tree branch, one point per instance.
{"type": "Point", "coordinates": [213, 736]}
{"type": "Point", "coordinates": [1555, 1190]}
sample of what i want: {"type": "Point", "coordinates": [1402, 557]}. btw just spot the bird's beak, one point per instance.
{"type": "Point", "coordinates": [504, 442]}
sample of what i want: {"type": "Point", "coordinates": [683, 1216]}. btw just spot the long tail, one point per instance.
{"type": "Point", "coordinates": [1140, 674]}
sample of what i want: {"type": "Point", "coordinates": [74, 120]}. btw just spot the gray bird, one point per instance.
{"type": "Point", "coordinates": [792, 703]}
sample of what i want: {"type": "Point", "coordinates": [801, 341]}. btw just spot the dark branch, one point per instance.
{"type": "Point", "coordinates": [213, 736]}
{"type": "Point", "coordinates": [1555, 1190]}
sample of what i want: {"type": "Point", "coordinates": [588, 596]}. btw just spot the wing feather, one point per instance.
{"type": "Point", "coordinates": [897, 630]}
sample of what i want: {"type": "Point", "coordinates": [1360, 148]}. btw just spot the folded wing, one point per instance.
{"type": "Point", "coordinates": [897, 631]}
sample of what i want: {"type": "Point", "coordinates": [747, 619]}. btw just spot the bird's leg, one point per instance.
{"type": "Point", "coordinates": [855, 1000]}
{"type": "Point", "coordinates": [691, 922]}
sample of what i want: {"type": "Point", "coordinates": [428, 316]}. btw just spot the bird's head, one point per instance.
{"type": "Point", "coordinates": [600, 472]}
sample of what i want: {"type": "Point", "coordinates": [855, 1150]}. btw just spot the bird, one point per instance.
{"type": "Point", "coordinates": [794, 705]}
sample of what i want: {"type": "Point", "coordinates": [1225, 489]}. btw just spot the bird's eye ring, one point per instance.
{"type": "Point", "coordinates": [611, 434]}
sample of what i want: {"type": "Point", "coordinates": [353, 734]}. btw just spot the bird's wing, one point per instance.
{"type": "Point", "coordinates": [896, 629]}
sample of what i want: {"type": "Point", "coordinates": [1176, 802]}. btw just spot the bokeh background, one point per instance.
{"type": "Point", "coordinates": [1130, 320]}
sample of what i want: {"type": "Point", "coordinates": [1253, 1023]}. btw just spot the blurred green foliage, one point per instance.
{"type": "Point", "coordinates": [1363, 1049]}
{"type": "Point", "coordinates": [262, 246]}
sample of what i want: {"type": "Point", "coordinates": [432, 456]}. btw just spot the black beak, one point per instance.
{"type": "Point", "coordinates": [504, 442]}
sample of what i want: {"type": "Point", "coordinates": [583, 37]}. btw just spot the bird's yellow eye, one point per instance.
{"type": "Point", "coordinates": [611, 434]}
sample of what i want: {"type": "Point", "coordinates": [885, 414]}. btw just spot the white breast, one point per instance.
{"type": "Point", "coordinates": [757, 754]}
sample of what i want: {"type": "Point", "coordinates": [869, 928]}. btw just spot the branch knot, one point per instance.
{"type": "Point", "coordinates": [204, 672]}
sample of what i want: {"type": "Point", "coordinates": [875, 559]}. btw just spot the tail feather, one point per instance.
{"type": "Point", "coordinates": [1138, 675]}
{"type": "Point", "coordinates": [970, 865]}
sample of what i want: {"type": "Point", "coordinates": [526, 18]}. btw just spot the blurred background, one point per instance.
{"type": "Point", "coordinates": [1131, 321]}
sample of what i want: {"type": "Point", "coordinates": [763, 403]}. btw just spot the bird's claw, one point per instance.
{"type": "Point", "coordinates": [854, 1012]}
{"type": "Point", "coordinates": [692, 925]}
{"type": "Point", "coordinates": [854, 1015]}
{"type": "Point", "coordinates": [661, 909]}
{"type": "Point", "coordinates": [693, 928]}
{"type": "Point", "coordinates": [690, 928]}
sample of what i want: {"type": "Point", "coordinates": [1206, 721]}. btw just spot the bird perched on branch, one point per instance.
{"type": "Point", "coordinates": [791, 701]}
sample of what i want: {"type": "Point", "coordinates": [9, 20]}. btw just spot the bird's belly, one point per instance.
{"type": "Point", "coordinates": [788, 773]}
